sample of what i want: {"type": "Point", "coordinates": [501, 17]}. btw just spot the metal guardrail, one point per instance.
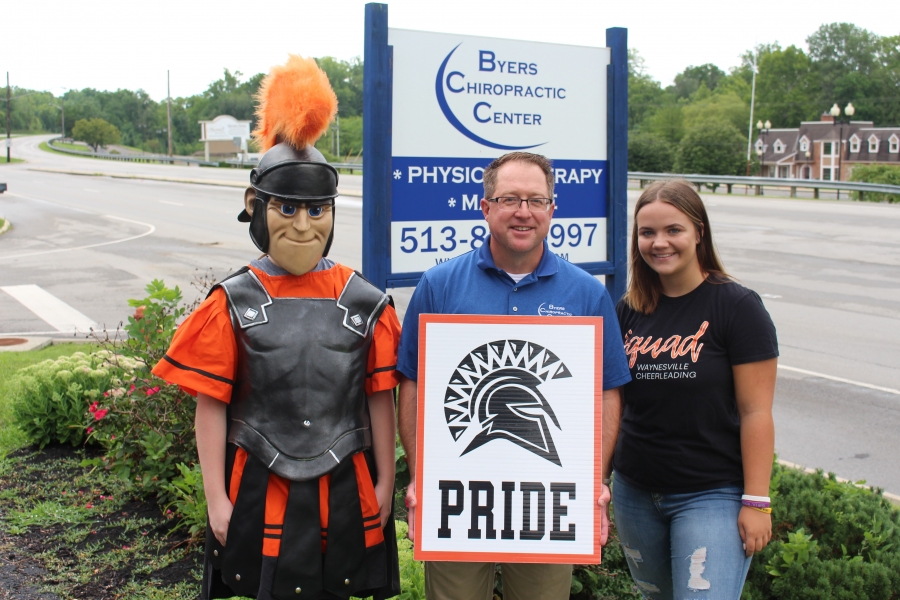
{"type": "Point", "coordinates": [162, 158]}
{"type": "Point", "coordinates": [761, 182]}
{"type": "Point", "coordinates": [697, 179]}
{"type": "Point", "coordinates": [239, 162]}
{"type": "Point", "coordinates": [348, 166]}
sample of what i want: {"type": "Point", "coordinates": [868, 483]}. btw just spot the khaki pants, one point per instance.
{"type": "Point", "coordinates": [475, 581]}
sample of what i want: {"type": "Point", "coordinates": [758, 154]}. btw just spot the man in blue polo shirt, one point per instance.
{"type": "Point", "coordinates": [513, 273]}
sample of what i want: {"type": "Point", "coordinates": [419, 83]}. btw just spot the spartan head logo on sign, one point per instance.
{"type": "Point", "coordinates": [493, 394]}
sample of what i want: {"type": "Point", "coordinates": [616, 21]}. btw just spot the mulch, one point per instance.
{"type": "Point", "coordinates": [21, 571]}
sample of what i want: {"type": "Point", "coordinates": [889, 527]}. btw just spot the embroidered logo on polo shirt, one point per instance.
{"type": "Point", "coordinates": [493, 394]}
{"type": "Point", "coordinates": [356, 320]}
{"type": "Point", "coordinates": [250, 314]}
{"type": "Point", "coordinates": [548, 309]}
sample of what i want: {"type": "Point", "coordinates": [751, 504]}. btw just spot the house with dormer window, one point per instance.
{"type": "Point", "coordinates": [825, 150]}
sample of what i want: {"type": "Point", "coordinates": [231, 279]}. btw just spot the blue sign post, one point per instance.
{"type": "Point", "coordinates": [438, 108]}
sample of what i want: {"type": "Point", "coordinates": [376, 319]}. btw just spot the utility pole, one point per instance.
{"type": "Point", "coordinates": [169, 109]}
{"type": "Point", "coordinates": [750, 128]}
{"type": "Point", "coordinates": [8, 142]}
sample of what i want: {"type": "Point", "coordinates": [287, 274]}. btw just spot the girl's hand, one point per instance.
{"type": "Point", "coordinates": [384, 492]}
{"type": "Point", "coordinates": [755, 528]}
{"type": "Point", "coordinates": [220, 517]}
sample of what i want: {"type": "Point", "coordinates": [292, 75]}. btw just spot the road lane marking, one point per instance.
{"type": "Point", "coordinates": [151, 229]}
{"type": "Point", "coordinates": [841, 380]}
{"type": "Point", "coordinates": [49, 308]}
{"type": "Point", "coordinates": [172, 203]}
{"type": "Point", "coordinates": [81, 210]}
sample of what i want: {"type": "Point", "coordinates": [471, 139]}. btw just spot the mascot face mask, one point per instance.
{"type": "Point", "coordinates": [298, 234]}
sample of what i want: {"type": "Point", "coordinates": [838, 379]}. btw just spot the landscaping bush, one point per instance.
{"type": "Point", "coordinates": [830, 540]}
{"type": "Point", "coordinates": [51, 398]}
{"type": "Point", "coordinates": [887, 174]}
{"type": "Point", "coordinates": [147, 428]}
{"type": "Point", "coordinates": [412, 573]}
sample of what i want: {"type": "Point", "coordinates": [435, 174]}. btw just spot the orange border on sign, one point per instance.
{"type": "Point", "coordinates": [512, 557]}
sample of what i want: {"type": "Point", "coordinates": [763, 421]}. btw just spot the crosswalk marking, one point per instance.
{"type": "Point", "coordinates": [50, 308]}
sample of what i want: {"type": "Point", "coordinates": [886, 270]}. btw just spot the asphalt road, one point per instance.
{"type": "Point", "coordinates": [829, 273]}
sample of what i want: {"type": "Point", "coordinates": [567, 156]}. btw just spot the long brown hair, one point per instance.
{"type": "Point", "coordinates": [644, 287]}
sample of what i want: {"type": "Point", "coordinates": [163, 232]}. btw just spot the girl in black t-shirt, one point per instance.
{"type": "Point", "coordinates": [694, 453]}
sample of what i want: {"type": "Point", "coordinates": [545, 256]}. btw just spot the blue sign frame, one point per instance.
{"type": "Point", "coordinates": [377, 181]}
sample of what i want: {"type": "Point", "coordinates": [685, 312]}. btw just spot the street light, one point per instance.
{"type": "Point", "coordinates": [835, 112]}
{"type": "Point", "coordinates": [763, 131]}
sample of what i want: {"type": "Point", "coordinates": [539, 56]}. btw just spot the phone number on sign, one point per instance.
{"type": "Point", "coordinates": [417, 246]}
{"type": "Point", "coordinates": [432, 239]}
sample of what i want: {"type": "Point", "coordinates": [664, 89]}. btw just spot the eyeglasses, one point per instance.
{"type": "Point", "coordinates": [513, 203]}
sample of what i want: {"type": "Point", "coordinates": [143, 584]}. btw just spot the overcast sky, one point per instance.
{"type": "Point", "coordinates": [55, 45]}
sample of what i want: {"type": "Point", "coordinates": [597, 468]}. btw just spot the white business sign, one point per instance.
{"type": "Point", "coordinates": [508, 439]}
{"type": "Point", "coordinates": [461, 101]}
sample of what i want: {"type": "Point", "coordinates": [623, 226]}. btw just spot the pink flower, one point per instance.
{"type": "Point", "coordinates": [93, 407]}
{"type": "Point", "coordinates": [152, 390]}
{"type": "Point", "coordinates": [106, 394]}
{"type": "Point", "coordinates": [131, 389]}
{"type": "Point", "coordinates": [89, 430]}
{"type": "Point", "coordinates": [112, 437]}
{"type": "Point", "coordinates": [89, 505]}
{"type": "Point", "coordinates": [100, 413]}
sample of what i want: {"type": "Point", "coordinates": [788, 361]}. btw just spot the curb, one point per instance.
{"type": "Point", "coordinates": [213, 182]}
{"type": "Point", "coordinates": [892, 498]}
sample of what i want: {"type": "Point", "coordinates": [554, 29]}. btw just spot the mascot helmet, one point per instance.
{"type": "Point", "coordinates": [296, 106]}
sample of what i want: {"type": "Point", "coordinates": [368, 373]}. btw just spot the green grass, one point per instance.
{"type": "Point", "coordinates": [10, 362]}
{"type": "Point", "coordinates": [75, 147]}
{"type": "Point", "coordinates": [12, 160]}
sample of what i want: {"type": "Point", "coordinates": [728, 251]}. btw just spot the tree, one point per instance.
{"type": "Point", "coordinates": [712, 147]}
{"type": "Point", "coordinates": [649, 153]}
{"type": "Point", "coordinates": [689, 81]}
{"type": "Point", "coordinates": [707, 106]}
{"type": "Point", "coordinates": [346, 79]}
{"type": "Point", "coordinates": [852, 64]}
{"type": "Point", "coordinates": [96, 132]}
{"type": "Point", "coordinates": [785, 88]}
{"type": "Point", "coordinates": [668, 123]}
{"type": "Point", "coordinates": [644, 93]}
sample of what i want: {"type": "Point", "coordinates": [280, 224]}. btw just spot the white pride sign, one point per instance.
{"type": "Point", "coordinates": [508, 439]}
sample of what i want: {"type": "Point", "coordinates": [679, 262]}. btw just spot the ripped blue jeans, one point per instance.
{"type": "Point", "coordinates": [682, 546]}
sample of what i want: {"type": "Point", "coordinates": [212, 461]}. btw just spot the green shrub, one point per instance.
{"type": "Point", "coordinates": [412, 573]}
{"type": "Point", "coordinates": [147, 428]}
{"type": "Point", "coordinates": [189, 500]}
{"type": "Point", "coordinates": [51, 398]}
{"type": "Point", "coordinates": [830, 540]}
{"type": "Point", "coordinates": [887, 174]}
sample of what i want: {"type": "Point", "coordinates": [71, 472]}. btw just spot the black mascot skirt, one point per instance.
{"type": "Point", "coordinates": [319, 539]}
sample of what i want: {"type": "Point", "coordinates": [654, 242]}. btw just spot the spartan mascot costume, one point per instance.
{"type": "Point", "coordinates": [292, 360]}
